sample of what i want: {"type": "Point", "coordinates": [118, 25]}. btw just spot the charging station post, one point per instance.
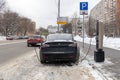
{"type": "Point", "coordinates": [99, 55]}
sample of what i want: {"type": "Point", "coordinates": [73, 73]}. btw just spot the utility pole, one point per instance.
{"type": "Point", "coordinates": [58, 14]}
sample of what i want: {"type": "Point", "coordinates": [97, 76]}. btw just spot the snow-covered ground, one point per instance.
{"type": "Point", "coordinates": [28, 67]}
{"type": "Point", "coordinates": [2, 38]}
{"type": "Point", "coordinates": [109, 42]}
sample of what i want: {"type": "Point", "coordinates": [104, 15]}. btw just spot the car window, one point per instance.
{"type": "Point", "coordinates": [36, 36]}
{"type": "Point", "coordinates": [59, 37]}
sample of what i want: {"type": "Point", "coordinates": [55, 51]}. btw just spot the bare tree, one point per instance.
{"type": "Point", "coordinates": [2, 4]}
{"type": "Point", "coordinates": [13, 24]}
{"type": "Point", "coordinates": [31, 29]}
{"type": "Point", "coordinates": [42, 31]}
{"type": "Point", "coordinates": [26, 27]}
{"type": "Point", "coordinates": [67, 28]}
{"type": "Point", "coordinates": [9, 23]}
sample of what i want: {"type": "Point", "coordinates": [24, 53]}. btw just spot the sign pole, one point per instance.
{"type": "Point", "coordinates": [83, 30]}
{"type": "Point", "coordinates": [83, 11]}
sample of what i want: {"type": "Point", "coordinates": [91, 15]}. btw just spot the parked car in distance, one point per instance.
{"type": "Point", "coordinates": [9, 38]}
{"type": "Point", "coordinates": [25, 37]}
{"type": "Point", "coordinates": [34, 40]}
{"type": "Point", "coordinates": [59, 47]}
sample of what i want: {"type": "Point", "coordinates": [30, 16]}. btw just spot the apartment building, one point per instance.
{"type": "Point", "coordinates": [118, 16]}
{"type": "Point", "coordinates": [76, 26]}
{"type": "Point", "coordinates": [52, 29]}
{"type": "Point", "coordinates": [105, 12]}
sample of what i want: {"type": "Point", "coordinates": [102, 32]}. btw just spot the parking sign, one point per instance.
{"type": "Point", "coordinates": [83, 8]}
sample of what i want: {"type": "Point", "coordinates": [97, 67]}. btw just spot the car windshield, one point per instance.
{"type": "Point", "coordinates": [52, 37]}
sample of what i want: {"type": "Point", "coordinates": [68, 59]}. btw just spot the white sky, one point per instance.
{"type": "Point", "coordinates": [44, 12]}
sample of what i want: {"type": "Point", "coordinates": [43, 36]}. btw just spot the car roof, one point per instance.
{"type": "Point", "coordinates": [59, 34]}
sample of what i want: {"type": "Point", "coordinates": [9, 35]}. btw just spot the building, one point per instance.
{"type": "Point", "coordinates": [52, 29]}
{"type": "Point", "coordinates": [118, 9]}
{"type": "Point", "coordinates": [105, 12]}
{"type": "Point", "coordinates": [118, 16]}
{"type": "Point", "coordinates": [76, 26]}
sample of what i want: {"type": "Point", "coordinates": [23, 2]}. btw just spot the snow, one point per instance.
{"type": "Point", "coordinates": [2, 38]}
{"type": "Point", "coordinates": [109, 42]}
{"type": "Point", "coordinates": [28, 67]}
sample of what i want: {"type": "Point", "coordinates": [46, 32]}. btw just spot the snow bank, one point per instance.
{"type": "Point", "coordinates": [86, 39]}
{"type": "Point", "coordinates": [107, 42]}
{"type": "Point", "coordinates": [112, 43]}
{"type": "Point", "coordinates": [2, 38]}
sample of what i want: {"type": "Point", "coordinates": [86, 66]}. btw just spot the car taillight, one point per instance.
{"type": "Point", "coordinates": [38, 39]}
{"type": "Point", "coordinates": [43, 40]}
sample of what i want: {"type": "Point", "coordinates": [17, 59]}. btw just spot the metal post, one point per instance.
{"type": "Point", "coordinates": [58, 14]}
{"type": "Point", "coordinates": [83, 31]}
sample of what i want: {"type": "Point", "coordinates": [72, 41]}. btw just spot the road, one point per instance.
{"type": "Point", "coordinates": [12, 49]}
{"type": "Point", "coordinates": [111, 54]}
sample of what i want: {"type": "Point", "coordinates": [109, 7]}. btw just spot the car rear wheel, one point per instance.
{"type": "Point", "coordinates": [42, 61]}
{"type": "Point", "coordinates": [28, 45]}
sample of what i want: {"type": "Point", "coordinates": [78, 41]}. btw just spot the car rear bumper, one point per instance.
{"type": "Point", "coordinates": [64, 53]}
{"type": "Point", "coordinates": [32, 43]}
{"type": "Point", "coordinates": [59, 56]}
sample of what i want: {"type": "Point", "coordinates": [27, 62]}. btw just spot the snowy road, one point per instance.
{"type": "Point", "coordinates": [29, 68]}
{"type": "Point", "coordinates": [12, 49]}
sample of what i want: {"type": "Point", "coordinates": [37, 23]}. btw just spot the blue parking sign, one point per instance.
{"type": "Point", "coordinates": [83, 6]}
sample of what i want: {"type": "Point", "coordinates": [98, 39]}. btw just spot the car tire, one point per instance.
{"type": "Point", "coordinates": [42, 61]}
{"type": "Point", "coordinates": [28, 45]}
